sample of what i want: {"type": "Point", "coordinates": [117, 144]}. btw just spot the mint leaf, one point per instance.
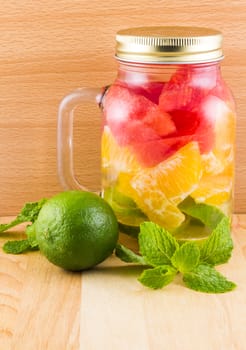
{"type": "Point", "coordinates": [29, 213]}
{"type": "Point", "coordinates": [205, 278]}
{"type": "Point", "coordinates": [161, 250]}
{"type": "Point", "coordinates": [16, 247]}
{"type": "Point", "coordinates": [21, 246]}
{"type": "Point", "coordinates": [218, 247]}
{"type": "Point", "coordinates": [128, 255]}
{"type": "Point", "coordinates": [158, 277]}
{"type": "Point", "coordinates": [186, 258]}
{"type": "Point", "coordinates": [157, 245]}
{"type": "Point", "coordinates": [207, 214]}
{"type": "Point", "coordinates": [31, 210]}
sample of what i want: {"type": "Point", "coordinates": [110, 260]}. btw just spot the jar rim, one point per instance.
{"type": "Point", "coordinates": [170, 44]}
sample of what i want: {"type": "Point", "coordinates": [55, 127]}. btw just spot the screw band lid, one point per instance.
{"type": "Point", "coordinates": [169, 45]}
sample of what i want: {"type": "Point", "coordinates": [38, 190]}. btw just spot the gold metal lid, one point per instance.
{"type": "Point", "coordinates": [169, 45]}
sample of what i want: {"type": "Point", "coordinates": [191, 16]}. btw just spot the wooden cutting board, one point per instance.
{"type": "Point", "coordinates": [43, 307]}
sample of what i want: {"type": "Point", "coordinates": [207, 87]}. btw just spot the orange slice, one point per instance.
{"type": "Point", "coordinates": [214, 190]}
{"type": "Point", "coordinates": [216, 161]}
{"type": "Point", "coordinates": [158, 190]}
{"type": "Point", "coordinates": [216, 183]}
{"type": "Point", "coordinates": [115, 159]}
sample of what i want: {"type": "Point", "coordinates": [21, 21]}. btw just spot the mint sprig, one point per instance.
{"type": "Point", "coordinates": [186, 257]}
{"type": "Point", "coordinates": [158, 277]}
{"type": "Point", "coordinates": [29, 213]}
{"type": "Point", "coordinates": [156, 244]}
{"type": "Point", "coordinates": [127, 255]}
{"type": "Point", "coordinates": [218, 247]}
{"type": "Point", "coordinates": [16, 247]}
{"type": "Point", "coordinates": [166, 257]}
{"type": "Point", "coordinates": [204, 278]}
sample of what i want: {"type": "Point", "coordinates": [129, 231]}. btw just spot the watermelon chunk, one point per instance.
{"type": "Point", "coordinates": [154, 131]}
{"type": "Point", "coordinates": [134, 118]}
{"type": "Point", "coordinates": [150, 90]}
{"type": "Point", "coordinates": [198, 125]}
{"type": "Point", "coordinates": [182, 97]}
{"type": "Point", "coordinates": [151, 153]}
{"type": "Point", "coordinates": [187, 87]}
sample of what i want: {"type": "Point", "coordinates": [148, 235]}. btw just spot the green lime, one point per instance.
{"type": "Point", "coordinates": [76, 230]}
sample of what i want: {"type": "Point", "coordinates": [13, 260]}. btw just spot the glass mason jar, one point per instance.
{"type": "Point", "coordinates": [168, 129]}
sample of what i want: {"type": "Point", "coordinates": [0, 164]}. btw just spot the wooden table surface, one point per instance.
{"type": "Point", "coordinates": [43, 307]}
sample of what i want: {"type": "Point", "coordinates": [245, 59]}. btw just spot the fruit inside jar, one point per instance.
{"type": "Point", "coordinates": [168, 138]}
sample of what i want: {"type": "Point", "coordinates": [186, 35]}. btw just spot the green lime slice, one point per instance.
{"type": "Point", "coordinates": [118, 197]}
{"type": "Point", "coordinates": [124, 207]}
{"type": "Point", "coordinates": [192, 230]}
{"type": "Point", "coordinates": [132, 231]}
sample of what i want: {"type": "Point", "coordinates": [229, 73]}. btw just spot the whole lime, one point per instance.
{"type": "Point", "coordinates": [76, 230]}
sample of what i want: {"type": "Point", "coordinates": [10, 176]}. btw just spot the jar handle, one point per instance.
{"type": "Point", "coordinates": [66, 110]}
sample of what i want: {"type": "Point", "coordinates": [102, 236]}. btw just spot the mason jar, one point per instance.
{"type": "Point", "coordinates": [168, 130]}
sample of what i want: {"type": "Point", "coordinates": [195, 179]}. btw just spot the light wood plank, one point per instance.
{"type": "Point", "coordinates": [48, 301]}
{"type": "Point", "coordinates": [126, 315]}
{"type": "Point", "coordinates": [39, 303]}
{"type": "Point", "coordinates": [44, 307]}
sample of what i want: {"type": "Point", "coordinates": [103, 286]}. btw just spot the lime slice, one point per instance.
{"type": "Point", "coordinates": [132, 231]}
{"type": "Point", "coordinates": [124, 207]}
{"type": "Point", "coordinates": [192, 230]}
{"type": "Point", "coordinates": [122, 199]}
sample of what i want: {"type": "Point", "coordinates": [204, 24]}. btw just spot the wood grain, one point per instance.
{"type": "Point", "coordinates": [49, 48]}
{"type": "Point", "coordinates": [39, 303]}
{"type": "Point", "coordinates": [174, 317]}
{"type": "Point", "coordinates": [44, 307]}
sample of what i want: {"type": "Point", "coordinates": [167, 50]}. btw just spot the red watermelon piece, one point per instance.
{"type": "Point", "coordinates": [155, 132]}
{"type": "Point", "coordinates": [187, 87]}
{"type": "Point", "coordinates": [150, 90]}
{"type": "Point", "coordinates": [151, 153]}
{"type": "Point", "coordinates": [199, 126]}
{"type": "Point", "coordinates": [134, 118]}
{"type": "Point", "coordinates": [183, 98]}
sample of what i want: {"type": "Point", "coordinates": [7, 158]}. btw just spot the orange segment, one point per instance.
{"type": "Point", "coordinates": [214, 190]}
{"type": "Point", "coordinates": [158, 190]}
{"type": "Point", "coordinates": [180, 174]}
{"type": "Point", "coordinates": [115, 159]}
{"type": "Point", "coordinates": [225, 139]}
{"type": "Point", "coordinates": [211, 164]}
{"type": "Point", "coordinates": [150, 199]}
{"type": "Point", "coordinates": [222, 155]}
{"type": "Point", "coordinates": [217, 109]}
{"type": "Point", "coordinates": [216, 183]}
